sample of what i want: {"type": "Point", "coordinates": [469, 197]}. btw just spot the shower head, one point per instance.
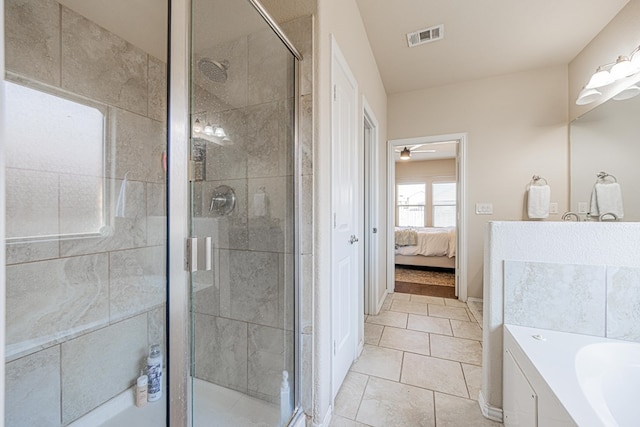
{"type": "Point", "coordinates": [214, 70]}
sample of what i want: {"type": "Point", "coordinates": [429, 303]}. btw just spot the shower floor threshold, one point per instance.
{"type": "Point", "coordinates": [213, 405]}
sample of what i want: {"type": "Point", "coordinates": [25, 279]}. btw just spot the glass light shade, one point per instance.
{"type": "Point", "coordinates": [622, 69]}
{"type": "Point", "coordinates": [600, 78]}
{"type": "Point", "coordinates": [628, 93]}
{"type": "Point", "coordinates": [405, 154]}
{"type": "Point", "coordinates": [587, 96]}
{"type": "Point", "coordinates": [635, 61]}
{"type": "Point", "coordinates": [219, 132]}
{"type": "Point", "coordinates": [197, 126]}
{"type": "Point", "coordinates": [208, 129]}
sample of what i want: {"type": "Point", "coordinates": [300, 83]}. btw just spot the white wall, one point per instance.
{"type": "Point", "coordinates": [340, 19]}
{"type": "Point", "coordinates": [620, 37]}
{"type": "Point", "coordinates": [585, 243]}
{"type": "Point", "coordinates": [2, 214]}
{"type": "Point", "coordinates": [517, 127]}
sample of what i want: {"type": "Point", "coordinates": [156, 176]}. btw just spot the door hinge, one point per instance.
{"type": "Point", "coordinates": [335, 92]}
{"type": "Point", "coordinates": [198, 254]}
{"type": "Point", "coordinates": [196, 170]}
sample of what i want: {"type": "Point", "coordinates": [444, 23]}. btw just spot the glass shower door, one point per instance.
{"type": "Point", "coordinates": [242, 181]}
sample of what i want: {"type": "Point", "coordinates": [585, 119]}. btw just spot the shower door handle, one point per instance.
{"type": "Point", "coordinates": [353, 239]}
{"type": "Point", "coordinates": [198, 254]}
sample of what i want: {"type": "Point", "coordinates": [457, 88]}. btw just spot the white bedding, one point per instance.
{"type": "Point", "coordinates": [431, 242]}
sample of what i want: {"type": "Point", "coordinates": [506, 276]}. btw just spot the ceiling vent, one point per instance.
{"type": "Point", "coordinates": [427, 35]}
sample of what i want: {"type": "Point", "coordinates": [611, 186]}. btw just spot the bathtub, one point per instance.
{"type": "Point", "coordinates": [577, 380]}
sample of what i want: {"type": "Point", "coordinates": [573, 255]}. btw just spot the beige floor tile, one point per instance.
{"type": "Point", "coordinates": [473, 377]}
{"type": "Point", "coordinates": [372, 333]}
{"type": "Point", "coordinates": [409, 307]}
{"type": "Point", "coordinates": [434, 374]}
{"type": "Point", "coordinates": [400, 297]}
{"type": "Point", "coordinates": [389, 318]}
{"type": "Point", "coordinates": [350, 395]}
{"type": "Point", "coordinates": [338, 421]}
{"type": "Point", "coordinates": [457, 313]}
{"type": "Point", "coordinates": [453, 411]}
{"type": "Point", "coordinates": [387, 403]}
{"type": "Point", "coordinates": [379, 362]}
{"type": "Point", "coordinates": [386, 305]}
{"type": "Point", "coordinates": [458, 349]}
{"type": "Point", "coordinates": [427, 299]}
{"type": "Point", "coordinates": [450, 302]}
{"type": "Point", "coordinates": [436, 325]}
{"type": "Point", "coordinates": [406, 340]}
{"type": "Point", "coordinates": [475, 307]}
{"type": "Point", "coordinates": [470, 330]}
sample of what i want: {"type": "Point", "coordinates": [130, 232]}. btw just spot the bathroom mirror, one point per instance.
{"type": "Point", "coordinates": [607, 139]}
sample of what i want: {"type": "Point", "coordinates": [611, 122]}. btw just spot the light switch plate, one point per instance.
{"type": "Point", "coordinates": [582, 207]}
{"type": "Point", "coordinates": [553, 207]}
{"type": "Point", "coordinates": [484, 208]}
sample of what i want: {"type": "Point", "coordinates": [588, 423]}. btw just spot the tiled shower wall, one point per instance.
{"type": "Point", "coordinates": [81, 313]}
{"type": "Point", "coordinates": [244, 306]}
{"type": "Point", "coordinates": [584, 299]}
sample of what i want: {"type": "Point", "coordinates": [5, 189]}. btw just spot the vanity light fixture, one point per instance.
{"type": "Point", "coordinates": [606, 74]}
{"type": "Point", "coordinates": [628, 93]}
{"type": "Point", "coordinates": [208, 129]}
{"type": "Point", "coordinates": [405, 154]}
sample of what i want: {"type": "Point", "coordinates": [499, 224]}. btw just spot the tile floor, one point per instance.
{"type": "Point", "coordinates": [421, 366]}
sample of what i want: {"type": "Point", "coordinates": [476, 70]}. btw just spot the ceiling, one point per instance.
{"type": "Point", "coordinates": [482, 38]}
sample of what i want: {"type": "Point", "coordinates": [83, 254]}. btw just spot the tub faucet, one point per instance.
{"type": "Point", "coordinates": [601, 217]}
{"type": "Point", "coordinates": [567, 215]}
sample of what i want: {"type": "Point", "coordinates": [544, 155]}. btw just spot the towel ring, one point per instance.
{"type": "Point", "coordinates": [603, 175]}
{"type": "Point", "coordinates": [535, 180]}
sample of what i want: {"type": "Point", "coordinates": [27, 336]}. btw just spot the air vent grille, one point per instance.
{"type": "Point", "coordinates": [427, 35]}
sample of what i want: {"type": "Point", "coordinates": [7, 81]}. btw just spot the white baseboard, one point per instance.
{"type": "Point", "coordinates": [488, 411]}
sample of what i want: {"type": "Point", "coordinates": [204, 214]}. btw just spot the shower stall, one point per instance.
{"type": "Point", "coordinates": [146, 206]}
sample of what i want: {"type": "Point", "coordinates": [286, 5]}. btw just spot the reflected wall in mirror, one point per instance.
{"type": "Point", "coordinates": [607, 139]}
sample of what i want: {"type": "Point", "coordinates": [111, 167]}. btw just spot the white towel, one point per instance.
{"type": "Point", "coordinates": [538, 201]}
{"type": "Point", "coordinates": [606, 198]}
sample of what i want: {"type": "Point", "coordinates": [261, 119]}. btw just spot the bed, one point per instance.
{"type": "Point", "coordinates": [425, 246]}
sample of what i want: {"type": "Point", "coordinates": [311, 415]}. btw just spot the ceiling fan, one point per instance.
{"type": "Point", "coordinates": [405, 153]}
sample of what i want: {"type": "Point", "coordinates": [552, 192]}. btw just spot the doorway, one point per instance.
{"type": "Point", "coordinates": [426, 216]}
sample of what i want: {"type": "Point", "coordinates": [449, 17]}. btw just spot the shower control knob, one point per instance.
{"type": "Point", "coordinates": [353, 239]}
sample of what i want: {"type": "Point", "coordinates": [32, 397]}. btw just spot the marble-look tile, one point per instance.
{"type": "Point", "coordinates": [452, 411]}
{"type": "Point", "coordinates": [81, 204]}
{"type": "Point", "coordinates": [350, 394]}
{"type": "Point", "coordinates": [405, 340]}
{"type": "Point", "coordinates": [456, 313]}
{"type": "Point", "coordinates": [306, 135]}
{"type": "Point", "coordinates": [434, 325]}
{"type": "Point", "coordinates": [17, 253]}
{"type": "Point", "coordinates": [306, 295]}
{"type": "Point", "coordinates": [156, 320]}
{"type": "Point", "coordinates": [249, 286]}
{"type": "Point", "coordinates": [49, 300]}
{"type": "Point", "coordinates": [229, 231]}
{"type": "Point", "coordinates": [386, 305]}
{"type": "Point", "coordinates": [156, 214]}
{"type": "Point", "coordinates": [475, 307]}
{"type": "Point", "coordinates": [396, 296]}
{"type": "Point", "coordinates": [300, 32]}
{"type": "Point", "coordinates": [473, 378]}
{"type": "Point", "coordinates": [306, 372]}
{"type": "Point", "coordinates": [221, 351]}
{"type": "Point", "coordinates": [386, 403]}
{"type": "Point", "coordinates": [270, 352]}
{"type": "Point", "coordinates": [32, 203]}
{"type": "Point", "coordinates": [623, 303]}
{"type": "Point", "coordinates": [424, 299]}
{"type": "Point", "coordinates": [229, 161]}
{"type": "Point", "coordinates": [372, 333]}
{"type": "Point", "coordinates": [270, 215]}
{"type": "Point", "coordinates": [118, 350]}
{"type": "Point", "coordinates": [458, 349]}
{"type": "Point", "coordinates": [266, 140]}
{"type": "Point", "coordinates": [137, 281]}
{"type": "Point", "coordinates": [270, 68]}
{"type": "Point", "coordinates": [338, 421]}
{"type": "Point", "coordinates": [470, 330]}
{"type": "Point", "coordinates": [32, 390]}
{"type": "Point", "coordinates": [409, 307]}
{"type": "Point", "coordinates": [139, 144]}
{"type": "Point", "coordinates": [389, 318]}
{"type": "Point", "coordinates": [561, 297]}
{"type": "Point", "coordinates": [286, 300]}
{"type": "Point", "coordinates": [32, 39]}
{"type": "Point", "coordinates": [434, 374]}
{"type": "Point", "coordinates": [126, 232]}
{"type": "Point", "coordinates": [100, 65]}
{"type": "Point", "coordinates": [206, 288]}
{"type": "Point", "coordinates": [450, 302]}
{"type": "Point", "coordinates": [157, 88]}
{"type": "Point", "coordinates": [379, 362]}
{"type": "Point", "coordinates": [306, 215]}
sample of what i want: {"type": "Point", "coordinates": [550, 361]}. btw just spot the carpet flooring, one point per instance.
{"type": "Point", "coordinates": [436, 283]}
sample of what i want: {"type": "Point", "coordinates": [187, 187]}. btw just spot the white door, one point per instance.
{"type": "Point", "coordinates": [344, 189]}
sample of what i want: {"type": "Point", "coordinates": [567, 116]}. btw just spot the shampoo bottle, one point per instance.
{"type": "Point", "coordinates": [154, 373]}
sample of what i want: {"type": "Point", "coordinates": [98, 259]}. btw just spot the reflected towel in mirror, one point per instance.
{"type": "Point", "coordinates": [606, 198]}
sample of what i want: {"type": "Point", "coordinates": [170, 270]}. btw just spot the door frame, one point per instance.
{"type": "Point", "coordinates": [371, 214]}
{"type": "Point", "coordinates": [461, 206]}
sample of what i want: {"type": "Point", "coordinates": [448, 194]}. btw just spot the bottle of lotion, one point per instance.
{"type": "Point", "coordinates": [154, 373]}
{"type": "Point", "coordinates": [141, 391]}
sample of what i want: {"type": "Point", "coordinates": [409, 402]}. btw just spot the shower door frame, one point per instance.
{"type": "Point", "coordinates": [178, 211]}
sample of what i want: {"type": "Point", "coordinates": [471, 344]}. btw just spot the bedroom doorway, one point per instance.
{"type": "Point", "coordinates": [426, 250]}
